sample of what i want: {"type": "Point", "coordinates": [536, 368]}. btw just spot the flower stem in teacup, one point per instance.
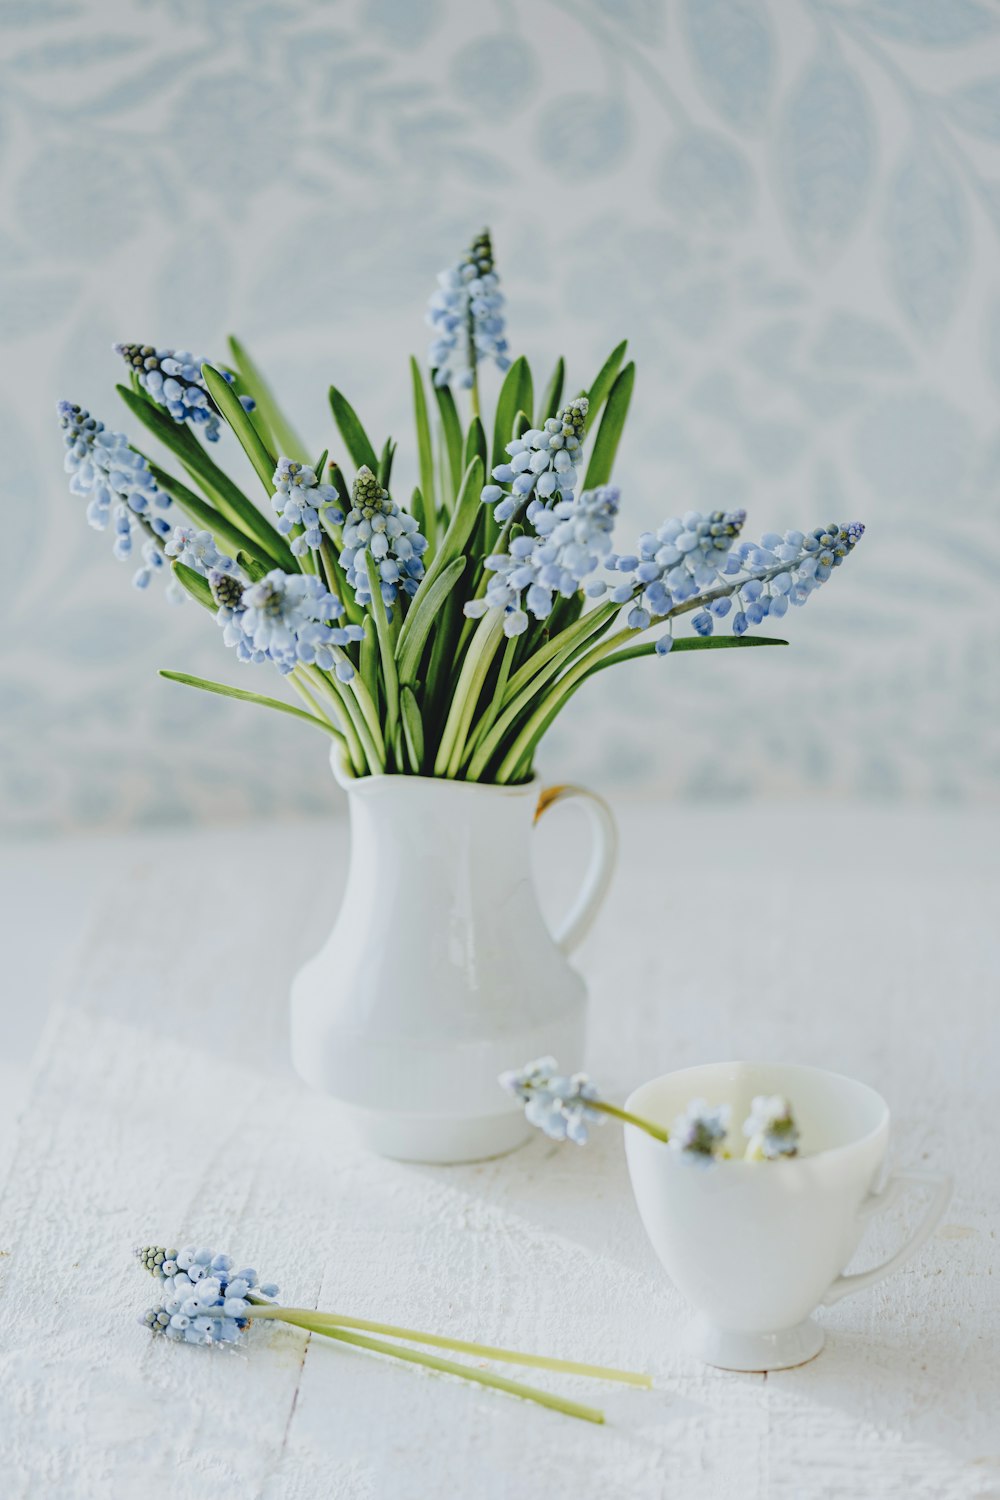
{"type": "Point", "coordinates": [461, 1346]}
{"type": "Point", "coordinates": [309, 1322]}
{"type": "Point", "coordinates": [658, 1132]}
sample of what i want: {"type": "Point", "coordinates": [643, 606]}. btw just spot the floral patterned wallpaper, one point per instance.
{"type": "Point", "coordinates": [792, 207]}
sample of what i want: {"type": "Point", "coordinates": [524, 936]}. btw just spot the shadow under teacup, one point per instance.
{"type": "Point", "coordinates": [756, 1246]}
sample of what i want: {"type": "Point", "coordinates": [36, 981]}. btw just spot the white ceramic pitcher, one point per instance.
{"type": "Point", "coordinates": [440, 970]}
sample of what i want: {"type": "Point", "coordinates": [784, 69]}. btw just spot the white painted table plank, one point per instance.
{"type": "Point", "coordinates": [162, 1106]}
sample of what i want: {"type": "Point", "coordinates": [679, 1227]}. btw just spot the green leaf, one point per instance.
{"type": "Point", "coordinates": [384, 471]}
{"type": "Point", "coordinates": [425, 455]}
{"type": "Point", "coordinates": [422, 615]}
{"type": "Point", "coordinates": [475, 443]}
{"type": "Point", "coordinates": [225, 691]}
{"type": "Point", "coordinates": [252, 566]}
{"type": "Point", "coordinates": [196, 585]}
{"type": "Point", "coordinates": [229, 537]}
{"type": "Point", "coordinates": [339, 482]}
{"type": "Point", "coordinates": [609, 433]}
{"type": "Point", "coordinates": [507, 405]}
{"type": "Point", "coordinates": [460, 528]}
{"type": "Point", "coordinates": [605, 380]}
{"type": "Point", "coordinates": [390, 678]}
{"type": "Point", "coordinates": [521, 423]}
{"type": "Point", "coordinates": [240, 421]}
{"type": "Point", "coordinates": [355, 437]}
{"type": "Point", "coordinates": [289, 443]}
{"type": "Point", "coordinates": [216, 483]}
{"type": "Point", "coordinates": [452, 427]}
{"type": "Point", "coordinates": [552, 399]}
{"type": "Point", "coordinates": [413, 728]}
{"type": "Point", "coordinates": [526, 388]}
{"type": "Point", "coordinates": [689, 643]}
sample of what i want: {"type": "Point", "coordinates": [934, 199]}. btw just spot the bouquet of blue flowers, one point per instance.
{"type": "Point", "coordinates": [441, 639]}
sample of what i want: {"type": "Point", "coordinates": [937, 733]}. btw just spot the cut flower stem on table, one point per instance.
{"type": "Point", "coordinates": [206, 1302]}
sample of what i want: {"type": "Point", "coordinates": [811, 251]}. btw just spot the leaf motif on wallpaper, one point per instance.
{"type": "Point", "coordinates": [929, 23]}
{"type": "Point", "coordinates": [915, 448]}
{"type": "Point", "coordinates": [707, 182]}
{"type": "Point", "coordinates": [82, 52]}
{"type": "Point", "coordinates": [79, 200]}
{"type": "Point", "coordinates": [927, 232]}
{"type": "Point", "coordinates": [147, 84]}
{"type": "Point", "coordinates": [976, 107]}
{"type": "Point", "coordinates": [495, 67]}
{"type": "Point", "coordinates": [733, 51]}
{"type": "Point", "coordinates": [31, 303]}
{"type": "Point", "coordinates": [191, 289]}
{"type": "Point", "coordinates": [582, 135]}
{"type": "Point", "coordinates": [402, 23]}
{"type": "Point", "coordinates": [642, 19]}
{"type": "Point", "coordinates": [848, 341]}
{"type": "Point", "coordinates": [825, 155]}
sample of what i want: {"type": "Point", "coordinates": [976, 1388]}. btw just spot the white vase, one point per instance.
{"type": "Point", "coordinates": [440, 971]}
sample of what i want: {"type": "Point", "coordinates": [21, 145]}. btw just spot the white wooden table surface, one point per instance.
{"type": "Point", "coordinates": [144, 1054]}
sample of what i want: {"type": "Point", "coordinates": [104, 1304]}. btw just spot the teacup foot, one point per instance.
{"type": "Point", "coordinates": [729, 1350]}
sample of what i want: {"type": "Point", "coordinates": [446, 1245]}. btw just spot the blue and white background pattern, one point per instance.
{"type": "Point", "coordinates": [791, 207]}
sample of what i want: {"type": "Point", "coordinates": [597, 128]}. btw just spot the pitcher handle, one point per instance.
{"type": "Point", "coordinates": [579, 919]}
{"type": "Point", "coordinates": [941, 1186]}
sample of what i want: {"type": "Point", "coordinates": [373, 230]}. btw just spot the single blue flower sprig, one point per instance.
{"type": "Point", "coordinates": [565, 1105]}
{"type": "Point", "coordinates": [466, 314]}
{"type": "Point", "coordinates": [173, 378]}
{"type": "Point", "coordinates": [204, 1301]}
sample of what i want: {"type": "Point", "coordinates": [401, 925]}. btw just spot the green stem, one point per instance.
{"type": "Point", "coordinates": [355, 731]}
{"type": "Point", "coordinates": [552, 662]}
{"type": "Point", "coordinates": [475, 668]}
{"type": "Point", "coordinates": [562, 689]}
{"type": "Point", "coordinates": [656, 1131]}
{"type": "Point", "coordinates": [386, 646]}
{"type": "Point", "coordinates": [489, 714]}
{"type": "Point", "coordinates": [447, 1367]}
{"type": "Point", "coordinates": [458, 1346]}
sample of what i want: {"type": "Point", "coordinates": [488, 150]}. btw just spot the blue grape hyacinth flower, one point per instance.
{"type": "Point", "coordinates": [559, 1104]}
{"type": "Point", "coordinates": [466, 314]}
{"type": "Point", "coordinates": [173, 378]}
{"type": "Point", "coordinates": [770, 1128]}
{"type": "Point", "coordinates": [542, 465]}
{"type": "Point", "coordinates": [117, 484]}
{"type": "Point", "coordinates": [203, 1300]}
{"type": "Point", "coordinates": [699, 1132]}
{"type": "Point", "coordinates": [288, 619]}
{"type": "Point", "coordinates": [300, 500]}
{"type": "Point", "coordinates": [573, 539]}
{"type": "Point", "coordinates": [376, 526]}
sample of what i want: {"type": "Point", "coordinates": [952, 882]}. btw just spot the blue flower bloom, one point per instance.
{"type": "Point", "coordinates": [542, 467]}
{"type": "Point", "coordinates": [697, 563]}
{"type": "Point", "coordinates": [285, 618]}
{"type": "Point", "coordinates": [174, 380]}
{"type": "Point", "coordinates": [203, 1301]}
{"type": "Point", "coordinates": [686, 556]}
{"type": "Point", "coordinates": [466, 313]}
{"type": "Point", "coordinates": [770, 1128]}
{"type": "Point", "coordinates": [118, 485]}
{"type": "Point", "coordinates": [376, 525]}
{"type": "Point", "coordinates": [698, 1133]}
{"type": "Point", "coordinates": [558, 1104]}
{"type": "Point", "coordinates": [300, 500]}
{"type": "Point", "coordinates": [197, 550]}
{"type": "Point", "coordinates": [572, 539]}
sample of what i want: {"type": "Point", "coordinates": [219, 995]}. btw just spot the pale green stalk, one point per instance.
{"type": "Point", "coordinates": [386, 646]}
{"type": "Point", "coordinates": [486, 721]}
{"type": "Point", "coordinates": [451, 1367]}
{"type": "Point", "coordinates": [656, 1131]}
{"type": "Point", "coordinates": [458, 1346]}
{"type": "Point", "coordinates": [310, 701]}
{"type": "Point", "coordinates": [360, 744]}
{"type": "Point", "coordinates": [475, 669]}
{"type": "Point", "coordinates": [563, 688]}
{"type": "Point", "coordinates": [513, 707]}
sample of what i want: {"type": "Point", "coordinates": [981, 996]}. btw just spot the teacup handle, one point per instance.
{"type": "Point", "coordinates": [941, 1187]}
{"type": "Point", "coordinates": [579, 919]}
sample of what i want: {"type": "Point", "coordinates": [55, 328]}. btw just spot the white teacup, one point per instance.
{"type": "Point", "coordinates": [756, 1246]}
